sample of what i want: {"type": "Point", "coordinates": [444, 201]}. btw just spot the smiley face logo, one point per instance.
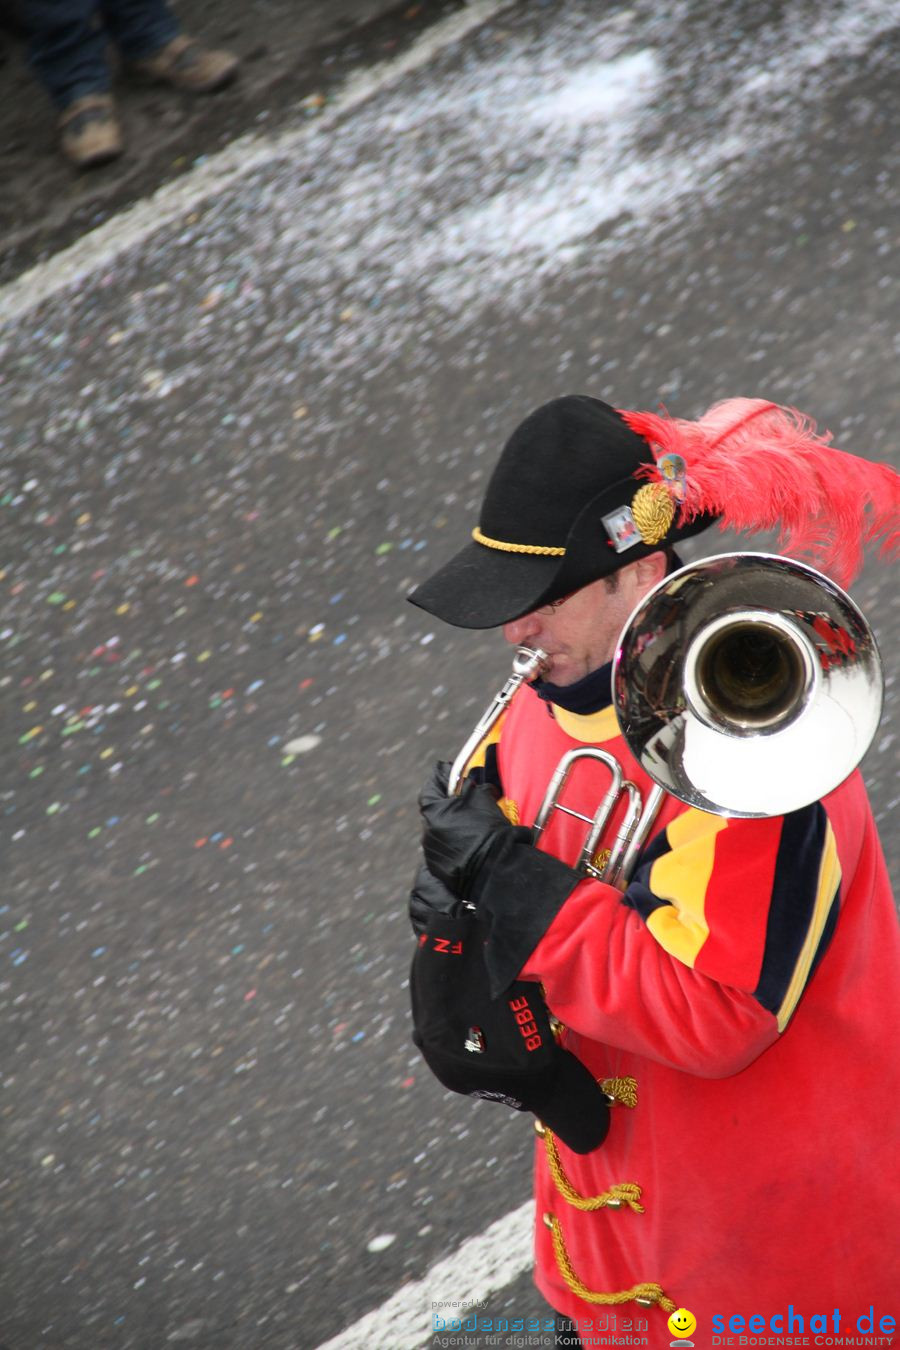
{"type": "Point", "coordinates": [682, 1323]}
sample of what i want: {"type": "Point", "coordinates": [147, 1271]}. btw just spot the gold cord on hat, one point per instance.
{"type": "Point", "coordinates": [652, 510]}
{"type": "Point", "coordinates": [544, 550]}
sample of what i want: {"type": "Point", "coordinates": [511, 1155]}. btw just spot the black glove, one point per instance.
{"type": "Point", "coordinates": [463, 831]}
{"type": "Point", "coordinates": [473, 850]}
{"type": "Point", "coordinates": [518, 897]}
{"type": "Point", "coordinates": [428, 897]}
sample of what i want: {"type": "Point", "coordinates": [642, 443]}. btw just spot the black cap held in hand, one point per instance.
{"type": "Point", "coordinates": [499, 1049]}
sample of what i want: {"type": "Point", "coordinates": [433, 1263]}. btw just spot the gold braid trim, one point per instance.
{"type": "Point", "coordinates": [622, 1193]}
{"type": "Point", "coordinates": [510, 809]}
{"type": "Point", "coordinates": [622, 1090]}
{"type": "Point", "coordinates": [644, 1294]}
{"type": "Point", "coordinates": [544, 550]}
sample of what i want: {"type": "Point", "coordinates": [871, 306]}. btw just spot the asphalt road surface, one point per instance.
{"type": "Point", "coordinates": [237, 426]}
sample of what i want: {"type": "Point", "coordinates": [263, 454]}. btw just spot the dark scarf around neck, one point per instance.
{"type": "Point", "coordinates": [587, 695]}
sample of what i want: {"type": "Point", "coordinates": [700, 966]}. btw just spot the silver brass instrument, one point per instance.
{"type": "Point", "coordinates": [748, 685]}
{"type": "Point", "coordinates": [745, 685]}
{"type": "Point", "coordinates": [632, 833]}
{"type": "Point", "coordinates": [528, 664]}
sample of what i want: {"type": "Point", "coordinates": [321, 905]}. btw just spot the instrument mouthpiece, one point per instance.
{"type": "Point", "coordinates": [530, 662]}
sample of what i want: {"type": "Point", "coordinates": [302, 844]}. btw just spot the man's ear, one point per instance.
{"type": "Point", "coordinates": [650, 569]}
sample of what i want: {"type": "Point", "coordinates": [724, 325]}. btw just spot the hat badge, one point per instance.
{"type": "Point", "coordinates": [653, 511]}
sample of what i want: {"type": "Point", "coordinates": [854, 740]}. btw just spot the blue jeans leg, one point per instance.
{"type": "Point", "coordinates": [67, 48]}
{"type": "Point", "coordinates": [68, 40]}
{"type": "Point", "coordinates": [139, 27]}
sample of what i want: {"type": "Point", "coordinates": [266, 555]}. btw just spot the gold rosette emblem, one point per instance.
{"type": "Point", "coordinates": [653, 511]}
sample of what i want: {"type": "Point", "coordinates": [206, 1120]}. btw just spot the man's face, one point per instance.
{"type": "Point", "coordinates": [581, 634]}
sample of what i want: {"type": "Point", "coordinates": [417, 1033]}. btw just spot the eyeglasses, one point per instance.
{"type": "Point", "coordinates": [553, 605]}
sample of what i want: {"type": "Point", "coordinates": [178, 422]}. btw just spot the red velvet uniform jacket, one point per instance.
{"type": "Point", "coordinates": [749, 982]}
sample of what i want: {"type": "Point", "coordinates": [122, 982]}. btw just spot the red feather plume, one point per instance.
{"type": "Point", "coordinates": [760, 466]}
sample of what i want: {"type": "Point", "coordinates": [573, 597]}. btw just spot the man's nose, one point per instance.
{"type": "Point", "coordinates": [520, 630]}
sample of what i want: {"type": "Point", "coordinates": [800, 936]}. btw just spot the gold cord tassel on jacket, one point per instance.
{"type": "Point", "coordinates": [646, 1295]}
{"type": "Point", "coordinates": [623, 1091]}
{"type": "Point", "coordinates": [622, 1193]}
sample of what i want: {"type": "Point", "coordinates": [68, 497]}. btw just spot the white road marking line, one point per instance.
{"type": "Point", "coordinates": [483, 1264]}
{"type": "Point", "coordinates": [131, 226]}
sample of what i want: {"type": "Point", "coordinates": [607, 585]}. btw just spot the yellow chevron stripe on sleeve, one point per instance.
{"type": "Point", "coordinates": [681, 877]}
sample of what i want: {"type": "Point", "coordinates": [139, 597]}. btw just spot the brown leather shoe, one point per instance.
{"type": "Point", "coordinates": [89, 133]}
{"type": "Point", "coordinates": [184, 64]}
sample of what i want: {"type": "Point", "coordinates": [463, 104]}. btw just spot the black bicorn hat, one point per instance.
{"type": "Point", "coordinates": [566, 504]}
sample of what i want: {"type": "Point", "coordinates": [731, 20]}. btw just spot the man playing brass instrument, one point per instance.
{"type": "Point", "coordinates": [736, 995]}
